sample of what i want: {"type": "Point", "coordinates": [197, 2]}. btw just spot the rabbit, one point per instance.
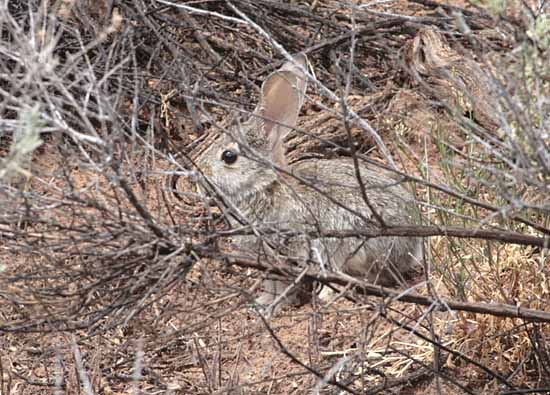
{"type": "Point", "coordinates": [249, 168]}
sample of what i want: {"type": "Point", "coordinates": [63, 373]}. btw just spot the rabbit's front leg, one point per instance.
{"type": "Point", "coordinates": [277, 288]}
{"type": "Point", "coordinates": [280, 291]}
{"type": "Point", "coordinates": [269, 293]}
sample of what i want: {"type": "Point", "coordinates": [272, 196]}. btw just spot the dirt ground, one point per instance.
{"type": "Point", "coordinates": [203, 338]}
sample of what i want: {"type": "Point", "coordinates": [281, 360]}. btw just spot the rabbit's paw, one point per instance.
{"type": "Point", "coordinates": [268, 310]}
{"type": "Point", "coordinates": [265, 305]}
{"type": "Point", "coordinates": [265, 299]}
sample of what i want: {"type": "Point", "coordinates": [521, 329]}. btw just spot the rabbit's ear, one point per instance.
{"type": "Point", "coordinates": [282, 97]}
{"type": "Point", "coordinates": [297, 67]}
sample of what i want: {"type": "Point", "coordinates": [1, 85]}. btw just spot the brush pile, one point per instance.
{"type": "Point", "coordinates": [116, 274]}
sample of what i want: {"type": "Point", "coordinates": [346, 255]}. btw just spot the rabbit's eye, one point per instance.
{"type": "Point", "coordinates": [229, 156]}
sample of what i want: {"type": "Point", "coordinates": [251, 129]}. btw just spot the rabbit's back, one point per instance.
{"type": "Point", "coordinates": [329, 190]}
{"type": "Point", "coordinates": [333, 201]}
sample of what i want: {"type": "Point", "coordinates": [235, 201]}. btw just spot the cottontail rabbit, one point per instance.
{"type": "Point", "coordinates": [248, 166]}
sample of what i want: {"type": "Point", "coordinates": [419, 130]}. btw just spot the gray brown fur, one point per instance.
{"type": "Point", "coordinates": [283, 200]}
